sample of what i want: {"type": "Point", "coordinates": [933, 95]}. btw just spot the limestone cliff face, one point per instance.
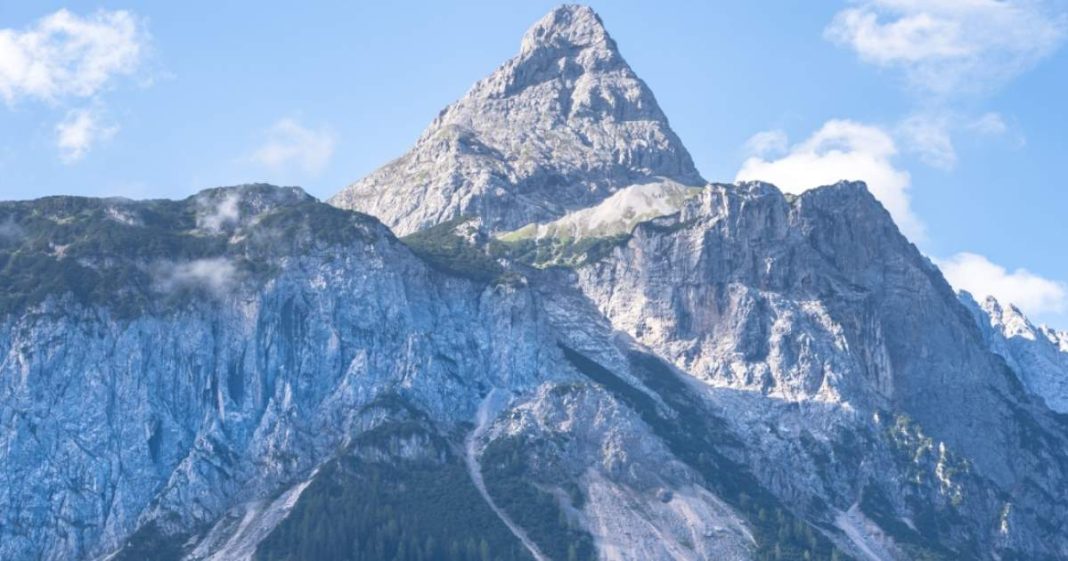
{"type": "Point", "coordinates": [258, 338]}
{"type": "Point", "coordinates": [818, 297]}
{"type": "Point", "coordinates": [1038, 353]}
{"type": "Point", "coordinates": [559, 127]}
{"type": "Point", "coordinates": [582, 351]}
{"type": "Point", "coordinates": [818, 300]}
{"type": "Point", "coordinates": [242, 372]}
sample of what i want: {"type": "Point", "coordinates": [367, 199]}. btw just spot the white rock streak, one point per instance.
{"type": "Point", "coordinates": [474, 469]}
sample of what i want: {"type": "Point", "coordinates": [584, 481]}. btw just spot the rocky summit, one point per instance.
{"type": "Point", "coordinates": [539, 335]}
{"type": "Point", "coordinates": [561, 126]}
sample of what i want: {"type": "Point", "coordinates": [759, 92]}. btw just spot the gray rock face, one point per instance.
{"type": "Point", "coordinates": [818, 300]}
{"type": "Point", "coordinates": [801, 299]}
{"type": "Point", "coordinates": [559, 127]}
{"type": "Point", "coordinates": [1038, 354]}
{"type": "Point", "coordinates": [270, 330]}
{"type": "Point", "coordinates": [641, 502]}
{"type": "Point", "coordinates": [755, 376]}
{"type": "Point", "coordinates": [173, 416]}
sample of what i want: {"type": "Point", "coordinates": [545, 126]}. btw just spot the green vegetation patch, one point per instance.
{"type": "Point", "coordinates": [399, 509]}
{"type": "Point", "coordinates": [93, 250]}
{"type": "Point", "coordinates": [559, 252]}
{"type": "Point", "coordinates": [114, 252]}
{"type": "Point", "coordinates": [443, 249]}
{"type": "Point", "coordinates": [509, 482]}
{"type": "Point", "coordinates": [149, 542]}
{"type": "Point", "coordinates": [921, 546]}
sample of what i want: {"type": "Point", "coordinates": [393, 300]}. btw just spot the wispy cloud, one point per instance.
{"type": "Point", "coordinates": [291, 145]}
{"type": "Point", "coordinates": [1032, 293]}
{"type": "Point", "coordinates": [767, 143]}
{"type": "Point", "coordinates": [947, 47]}
{"type": "Point", "coordinates": [65, 55]}
{"type": "Point", "coordinates": [64, 59]}
{"type": "Point", "coordinates": [10, 231]}
{"type": "Point", "coordinates": [989, 123]}
{"type": "Point", "coordinates": [216, 275]}
{"type": "Point", "coordinates": [79, 131]}
{"type": "Point", "coordinates": [840, 150]}
{"type": "Point", "coordinates": [928, 136]}
{"type": "Point", "coordinates": [214, 215]}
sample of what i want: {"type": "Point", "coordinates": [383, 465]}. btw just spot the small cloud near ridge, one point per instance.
{"type": "Point", "coordinates": [839, 150]}
{"type": "Point", "coordinates": [291, 145]}
{"type": "Point", "coordinates": [79, 131]}
{"type": "Point", "coordinates": [1032, 293]}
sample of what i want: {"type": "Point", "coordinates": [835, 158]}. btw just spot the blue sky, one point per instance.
{"type": "Point", "coordinates": [956, 109]}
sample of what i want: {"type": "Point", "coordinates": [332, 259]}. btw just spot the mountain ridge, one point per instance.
{"type": "Point", "coordinates": [1039, 354]}
{"type": "Point", "coordinates": [696, 371]}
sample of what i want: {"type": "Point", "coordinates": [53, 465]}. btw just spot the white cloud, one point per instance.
{"type": "Point", "coordinates": [842, 150]}
{"type": "Point", "coordinates": [767, 143]}
{"type": "Point", "coordinates": [989, 123]}
{"type": "Point", "coordinates": [10, 231]}
{"type": "Point", "coordinates": [216, 275]}
{"type": "Point", "coordinates": [214, 216]}
{"type": "Point", "coordinates": [290, 144]}
{"type": "Point", "coordinates": [65, 55]}
{"type": "Point", "coordinates": [1031, 293]}
{"type": "Point", "coordinates": [929, 136]}
{"type": "Point", "coordinates": [946, 46]}
{"type": "Point", "coordinates": [79, 131]}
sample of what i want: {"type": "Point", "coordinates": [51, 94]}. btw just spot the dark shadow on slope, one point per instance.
{"type": "Point", "coordinates": [695, 436]}
{"type": "Point", "coordinates": [399, 493]}
{"type": "Point", "coordinates": [149, 542]}
{"type": "Point", "coordinates": [510, 483]}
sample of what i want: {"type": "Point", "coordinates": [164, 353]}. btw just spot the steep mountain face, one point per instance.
{"type": "Point", "coordinates": [577, 351]}
{"type": "Point", "coordinates": [269, 331]}
{"type": "Point", "coordinates": [1038, 353]}
{"type": "Point", "coordinates": [265, 356]}
{"type": "Point", "coordinates": [561, 126]}
{"type": "Point", "coordinates": [238, 367]}
{"type": "Point", "coordinates": [818, 300]}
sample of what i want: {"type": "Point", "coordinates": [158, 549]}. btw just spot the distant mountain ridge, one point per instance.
{"type": "Point", "coordinates": [1039, 354]}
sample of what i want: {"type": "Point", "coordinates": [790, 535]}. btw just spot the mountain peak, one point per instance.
{"type": "Point", "coordinates": [559, 127]}
{"type": "Point", "coordinates": [1037, 354]}
{"type": "Point", "coordinates": [568, 26]}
